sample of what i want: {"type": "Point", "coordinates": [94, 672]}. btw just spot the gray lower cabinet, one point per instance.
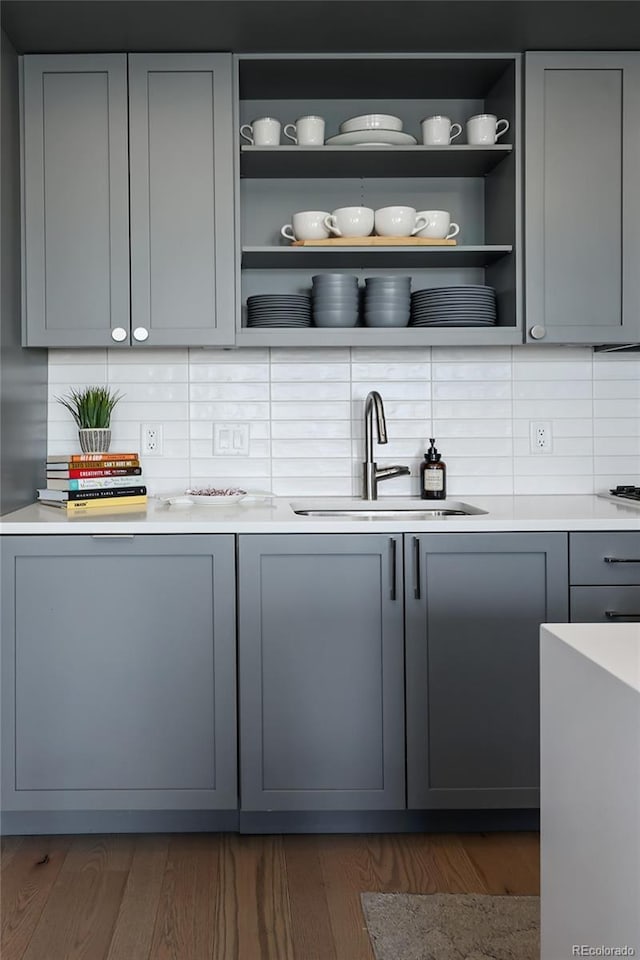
{"type": "Point", "coordinates": [75, 184]}
{"type": "Point", "coordinates": [321, 672]}
{"type": "Point", "coordinates": [582, 197]}
{"type": "Point", "coordinates": [474, 605]}
{"type": "Point", "coordinates": [118, 667]}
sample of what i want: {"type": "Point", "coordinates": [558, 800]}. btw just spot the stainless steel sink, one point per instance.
{"type": "Point", "coordinates": [446, 508]}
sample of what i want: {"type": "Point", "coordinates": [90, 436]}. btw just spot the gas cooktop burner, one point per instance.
{"type": "Point", "coordinates": [627, 492]}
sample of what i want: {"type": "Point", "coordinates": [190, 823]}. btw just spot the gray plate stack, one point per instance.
{"type": "Point", "coordinates": [471, 305]}
{"type": "Point", "coordinates": [278, 310]}
{"type": "Point", "coordinates": [335, 300]}
{"type": "Point", "coordinates": [387, 301]}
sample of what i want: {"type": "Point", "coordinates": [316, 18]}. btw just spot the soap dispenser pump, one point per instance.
{"type": "Point", "coordinates": [433, 475]}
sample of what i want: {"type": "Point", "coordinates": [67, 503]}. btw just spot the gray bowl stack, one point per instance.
{"type": "Point", "coordinates": [387, 301]}
{"type": "Point", "coordinates": [335, 298]}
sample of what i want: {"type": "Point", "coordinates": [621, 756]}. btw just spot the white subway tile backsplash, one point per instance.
{"type": "Point", "coordinates": [468, 390]}
{"type": "Point", "coordinates": [225, 372]}
{"type": "Point", "coordinates": [380, 372]}
{"type": "Point", "coordinates": [202, 392]}
{"type": "Point", "coordinates": [316, 449]}
{"type": "Point", "coordinates": [310, 391]}
{"type": "Point", "coordinates": [321, 429]}
{"type": "Point", "coordinates": [308, 372]}
{"type": "Point", "coordinates": [471, 371]}
{"type": "Point", "coordinates": [305, 411]}
{"type": "Point", "coordinates": [323, 410]}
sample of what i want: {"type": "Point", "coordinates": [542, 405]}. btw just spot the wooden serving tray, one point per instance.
{"type": "Point", "coordinates": [375, 242]}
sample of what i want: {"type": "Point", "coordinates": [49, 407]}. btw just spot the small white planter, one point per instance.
{"type": "Point", "coordinates": [97, 440]}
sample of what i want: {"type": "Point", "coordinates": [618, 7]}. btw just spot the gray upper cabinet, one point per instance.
{"type": "Point", "coordinates": [75, 200]}
{"type": "Point", "coordinates": [128, 176]}
{"type": "Point", "coordinates": [474, 605]}
{"type": "Point", "coordinates": [582, 181]}
{"type": "Point", "coordinates": [321, 673]}
{"type": "Point", "coordinates": [181, 167]}
{"type": "Point", "coordinates": [118, 673]}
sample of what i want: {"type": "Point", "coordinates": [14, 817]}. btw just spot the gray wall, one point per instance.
{"type": "Point", "coordinates": [23, 373]}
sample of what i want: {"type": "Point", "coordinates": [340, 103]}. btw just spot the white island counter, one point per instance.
{"type": "Point", "coordinates": [590, 790]}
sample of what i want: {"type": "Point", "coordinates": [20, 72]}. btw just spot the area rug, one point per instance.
{"type": "Point", "coordinates": [446, 926]}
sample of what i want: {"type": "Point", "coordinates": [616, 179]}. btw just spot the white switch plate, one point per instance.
{"type": "Point", "coordinates": [540, 436]}
{"type": "Point", "coordinates": [231, 439]}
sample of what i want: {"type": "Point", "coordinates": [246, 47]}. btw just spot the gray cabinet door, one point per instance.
{"type": "Point", "coordinates": [474, 605]}
{"type": "Point", "coordinates": [75, 200]}
{"type": "Point", "coordinates": [321, 673]}
{"type": "Point", "coordinates": [582, 206]}
{"type": "Point", "coordinates": [182, 215]}
{"type": "Point", "coordinates": [118, 666]}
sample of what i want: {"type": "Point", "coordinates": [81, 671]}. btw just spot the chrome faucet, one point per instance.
{"type": "Point", "coordinates": [370, 472]}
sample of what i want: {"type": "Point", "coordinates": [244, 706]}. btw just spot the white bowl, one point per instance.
{"type": "Point", "coordinates": [371, 121]}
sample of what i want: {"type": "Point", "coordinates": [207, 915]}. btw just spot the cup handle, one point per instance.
{"type": "Point", "coordinates": [291, 136]}
{"type": "Point", "coordinates": [421, 223]}
{"type": "Point", "coordinates": [247, 136]}
{"type": "Point", "coordinates": [452, 135]}
{"type": "Point", "coordinates": [454, 230]}
{"type": "Point", "coordinates": [500, 132]}
{"type": "Point", "coordinates": [288, 235]}
{"type": "Point", "coordinates": [330, 224]}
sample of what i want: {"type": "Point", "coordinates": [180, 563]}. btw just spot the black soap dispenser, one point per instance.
{"type": "Point", "coordinates": [433, 475]}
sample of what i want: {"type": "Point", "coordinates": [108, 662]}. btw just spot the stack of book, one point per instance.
{"type": "Point", "coordinates": [89, 481]}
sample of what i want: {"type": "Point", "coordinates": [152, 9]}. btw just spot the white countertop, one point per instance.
{"type": "Point", "coordinates": [615, 647]}
{"type": "Point", "coordinates": [543, 513]}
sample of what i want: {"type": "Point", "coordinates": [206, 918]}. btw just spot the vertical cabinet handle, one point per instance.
{"type": "Point", "coordinates": [416, 568]}
{"type": "Point", "coordinates": [393, 547]}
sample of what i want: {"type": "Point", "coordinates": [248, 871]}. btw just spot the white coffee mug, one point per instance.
{"type": "Point", "coordinates": [484, 128]}
{"type": "Point", "coordinates": [306, 131]}
{"type": "Point", "coordinates": [398, 222]}
{"type": "Point", "coordinates": [350, 221]}
{"type": "Point", "coordinates": [438, 131]}
{"type": "Point", "coordinates": [307, 225]}
{"type": "Point", "coordinates": [264, 132]}
{"type": "Point", "coordinates": [438, 225]}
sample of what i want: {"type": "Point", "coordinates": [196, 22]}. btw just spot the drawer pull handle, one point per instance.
{"type": "Point", "coordinates": [113, 536]}
{"type": "Point", "coordinates": [612, 615]}
{"type": "Point", "coordinates": [620, 560]}
{"type": "Point", "coordinates": [416, 568]}
{"type": "Point", "coordinates": [394, 549]}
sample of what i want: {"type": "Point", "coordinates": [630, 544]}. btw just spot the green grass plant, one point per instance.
{"type": "Point", "coordinates": [91, 407]}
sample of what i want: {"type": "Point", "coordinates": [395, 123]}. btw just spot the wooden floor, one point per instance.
{"type": "Point", "coordinates": [230, 897]}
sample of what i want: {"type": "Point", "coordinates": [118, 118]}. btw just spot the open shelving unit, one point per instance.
{"type": "Point", "coordinates": [479, 185]}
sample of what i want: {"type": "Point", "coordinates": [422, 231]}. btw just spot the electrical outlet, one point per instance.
{"type": "Point", "coordinates": [231, 439]}
{"type": "Point", "coordinates": [151, 439]}
{"type": "Point", "coordinates": [540, 437]}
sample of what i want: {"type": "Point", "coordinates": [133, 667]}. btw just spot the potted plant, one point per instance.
{"type": "Point", "coordinates": [91, 408]}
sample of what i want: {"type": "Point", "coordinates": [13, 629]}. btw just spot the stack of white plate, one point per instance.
{"type": "Point", "coordinates": [471, 305]}
{"type": "Point", "coordinates": [278, 310]}
{"type": "Point", "coordinates": [372, 130]}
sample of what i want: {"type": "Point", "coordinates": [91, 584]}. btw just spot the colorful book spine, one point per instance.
{"type": "Point", "coordinates": [49, 494]}
{"type": "Point", "coordinates": [87, 474]}
{"type": "Point", "coordinates": [92, 483]}
{"type": "Point", "coordinates": [84, 506]}
{"type": "Point", "coordinates": [89, 465]}
{"type": "Point", "coordinates": [92, 457]}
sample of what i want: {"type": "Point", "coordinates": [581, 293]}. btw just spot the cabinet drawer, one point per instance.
{"type": "Point", "coordinates": [603, 558]}
{"type": "Point", "coordinates": [605, 604]}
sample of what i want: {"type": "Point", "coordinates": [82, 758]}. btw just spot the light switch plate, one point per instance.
{"type": "Point", "coordinates": [231, 439]}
